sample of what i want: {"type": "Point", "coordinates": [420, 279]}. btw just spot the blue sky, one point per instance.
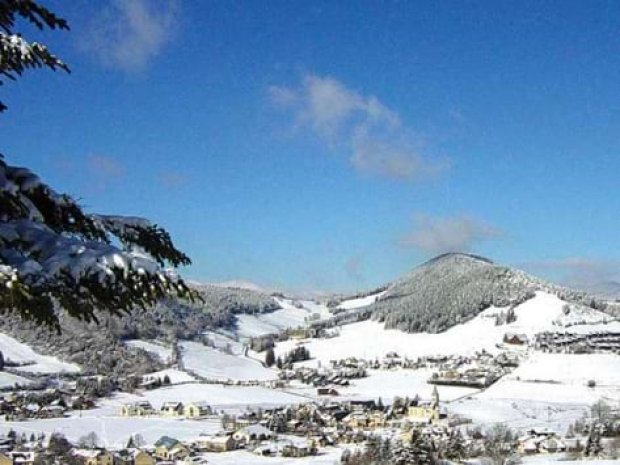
{"type": "Point", "coordinates": [334, 145]}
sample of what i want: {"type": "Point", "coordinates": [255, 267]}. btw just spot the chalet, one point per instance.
{"type": "Point", "coordinates": [516, 339]}
{"type": "Point", "coordinates": [93, 456]}
{"type": "Point", "coordinates": [217, 443]}
{"type": "Point", "coordinates": [194, 460]}
{"type": "Point", "coordinates": [197, 410]}
{"type": "Point", "coordinates": [172, 409]}
{"type": "Point", "coordinates": [22, 457]}
{"type": "Point", "coordinates": [252, 433]}
{"type": "Point", "coordinates": [167, 448]}
{"type": "Point", "coordinates": [325, 391]}
{"type": "Point", "coordinates": [52, 411]}
{"type": "Point", "coordinates": [134, 457]}
{"type": "Point", "coordinates": [552, 446]}
{"type": "Point", "coordinates": [356, 420]}
{"type": "Point", "coordinates": [528, 445]}
{"type": "Point", "coordinates": [266, 450]}
{"type": "Point", "coordinates": [297, 448]}
{"type": "Point", "coordinates": [137, 409]}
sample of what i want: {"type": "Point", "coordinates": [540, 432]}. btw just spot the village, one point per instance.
{"type": "Point", "coordinates": [307, 429]}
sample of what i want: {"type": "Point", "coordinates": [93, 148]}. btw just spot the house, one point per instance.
{"type": "Point", "coordinates": [172, 409]}
{"type": "Point", "coordinates": [252, 433]}
{"type": "Point", "coordinates": [218, 443]}
{"type": "Point", "coordinates": [4, 460]}
{"type": "Point", "coordinates": [356, 420]}
{"type": "Point", "coordinates": [196, 410]}
{"type": "Point", "coordinates": [93, 456]}
{"type": "Point", "coordinates": [297, 448]}
{"type": "Point", "coordinates": [266, 450]}
{"type": "Point", "coordinates": [194, 460]}
{"type": "Point", "coordinates": [552, 445]}
{"type": "Point", "coordinates": [22, 457]}
{"type": "Point", "coordinates": [137, 409]}
{"type": "Point", "coordinates": [516, 339]}
{"type": "Point", "coordinates": [528, 445]}
{"type": "Point", "coordinates": [324, 391]}
{"type": "Point", "coordinates": [134, 457]}
{"type": "Point", "coordinates": [167, 448]}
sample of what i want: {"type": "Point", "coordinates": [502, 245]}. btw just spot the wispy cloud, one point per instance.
{"type": "Point", "coordinates": [105, 166]}
{"type": "Point", "coordinates": [128, 34]}
{"type": "Point", "coordinates": [592, 275]}
{"type": "Point", "coordinates": [172, 179]}
{"type": "Point", "coordinates": [372, 134]}
{"type": "Point", "coordinates": [103, 170]}
{"type": "Point", "coordinates": [435, 235]}
{"type": "Point", "coordinates": [354, 267]}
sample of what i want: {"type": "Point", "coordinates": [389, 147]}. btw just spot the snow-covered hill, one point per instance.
{"type": "Point", "coordinates": [453, 288]}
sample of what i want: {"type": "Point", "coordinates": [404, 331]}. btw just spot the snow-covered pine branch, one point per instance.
{"type": "Point", "coordinates": [51, 252]}
{"type": "Point", "coordinates": [16, 53]}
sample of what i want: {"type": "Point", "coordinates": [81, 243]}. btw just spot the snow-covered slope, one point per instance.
{"type": "Point", "coordinates": [161, 351]}
{"type": "Point", "coordinates": [16, 351]}
{"type": "Point", "coordinates": [215, 364]}
{"type": "Point", "coordinates": [360, 301]}
{"type": "Point", "coordinates": [292, 314]}
{"type": "Point", "coordinates": [453, 288]}
{"type": "Point", "coordinates": [369, 339]}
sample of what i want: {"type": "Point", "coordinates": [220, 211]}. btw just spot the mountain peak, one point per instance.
{"type": "Point", "coordinates": [458, 256]}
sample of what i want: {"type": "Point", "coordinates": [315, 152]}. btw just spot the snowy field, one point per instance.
{"type": "Point", "coordinates": [330, 456]}
{"type": "Point", "coordinates": [175, 376]}
{"type": "Point", "coordinates": [519, 414]}
{"type": "Point", "coordinates": [16, 351]}
{"type": "Point", "coordinates": [360, 302]}
{"type": "Point", "coordinates": [114, 430]}
{"type": "Point", "coordinates": [370, 340]}
{"type": "Point", "coordinates": [289, 316]}
{"type": "Point", "coordinates": [403, 383]}
{"type": "Point", "coordinates": [215, 364]}
{"type": "Point", "coordinates": [9, 380]}
{"type": "Point", "coordinates": [161, 351]}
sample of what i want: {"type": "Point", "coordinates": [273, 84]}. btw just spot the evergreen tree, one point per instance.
{"type": "Point", "coordinates": [51, 251]}
{"type": "Point", "coordinates": [270, 358]}
{"type": "Point", "coordinates": [1, 361]}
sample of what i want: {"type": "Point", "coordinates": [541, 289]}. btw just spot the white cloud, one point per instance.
{"type": "Point", "coordinates": [592, 275]}
{"type": "Point", "coordinates": [436, 235]}
{"type": "Point", "coordinates": [172, 179]}
{"type": "Point", "coordinates": [105, 167]}
{"type": "Point", "coordinates": [372, 133]}
{"type": "Point", "coordinates": [354, 267]}
{"type": "Point", "coordinates": [128, 34]}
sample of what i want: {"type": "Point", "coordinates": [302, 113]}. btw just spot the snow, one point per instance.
{"type": "Point", "coordinates": [360, 301]}
{"type": "Point", "coordinates": [156, 348]}
{"type": "Point", "coordinates": [9, 380]}
{"type": "Point", "coordinates": [219, 396]}
{"type": "Point", "coordinates": [519, 414]}
{"type": "Point", "coordinates": [214, 364]}
{"type": "Point", "coordinates": [176, 376]}
{"type": "Point", "coordinates": [288, 316]}
{"type": "Point", "coordinates": [533, 316]}
{"type": "Point", "coordinates": [16, 351]}
{"type": "Point", "coordinates": [390, 383]}
{"type": "Point", "coordinates": [114, 430]}
{"type": "Point", "coordinates": [329, 456]}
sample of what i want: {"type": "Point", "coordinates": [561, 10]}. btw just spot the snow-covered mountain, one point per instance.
{"type": "Point", "coordinates": [453, 288]}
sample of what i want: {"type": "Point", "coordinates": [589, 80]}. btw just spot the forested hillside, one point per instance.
{"type": "Point", "coordinates": [453, 288]}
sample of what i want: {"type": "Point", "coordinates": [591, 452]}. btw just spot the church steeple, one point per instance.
{"type": "Point", "coordinates": [435, 398]}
